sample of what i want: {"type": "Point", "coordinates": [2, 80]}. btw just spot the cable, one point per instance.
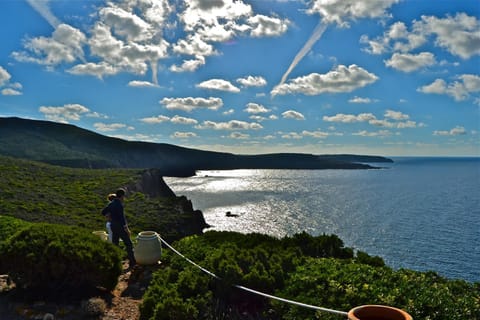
{"type": "Point", "coordinates": [300, 304]}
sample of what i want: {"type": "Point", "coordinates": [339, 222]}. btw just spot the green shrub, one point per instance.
{"type": "Point", "coordinates": [59, 258]}
{"type": "Point", "coordinates": [294, 268]}
{"type": "Point", "coordinates": [10, 225]}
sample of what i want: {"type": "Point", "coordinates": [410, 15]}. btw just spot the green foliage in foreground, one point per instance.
{"type": "Point", "coordinates": [312, 270]}
{"type": "Point", "coordinates": [56, 258]}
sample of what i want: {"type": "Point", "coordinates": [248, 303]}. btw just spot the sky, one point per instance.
{"type": "Point", "coordinates": [378, 77]}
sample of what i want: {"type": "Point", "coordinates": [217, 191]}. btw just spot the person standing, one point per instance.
{"type": "Point", "coordinates": [118, 224]}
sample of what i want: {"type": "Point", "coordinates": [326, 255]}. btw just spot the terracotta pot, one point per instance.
{"type": "Point", "coordinates": [102, 234]}
{"type": "Point", "coordinates": [377, 312]}
{"type": "Point", "coordinates": [148, 248]}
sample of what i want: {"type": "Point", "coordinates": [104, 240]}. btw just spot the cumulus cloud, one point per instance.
{"type": "Point", "coordinates": [262, 26]}
{"type": "Point", "coordinates": [64, 46]}
{"type": "Point", "coordinates": [64, 113]}
{"type": "Point", "coordinates": [457, 34]}
{"type": "Point", "coordinates": [218, 84]}
{"type": "Point", "coordinates": [343, 11]}
{"type": "Point", "coordinates": [142, 84]}
{"type": "Point", "coordinates": [4, 76]}
{"type": "Point", "coordinates": [459, 89]}
{"type": "Point", "coordinates": [380, 133]}
{"type": "Point", "coordinates": [410, 62]}
{"type": "Point", "coordinates": [255, 108]}
{"type": "Point", "coordinates": [361, 100]}
{"type": "Point", "coordinates": [393, 119]}
{"type": "Point", "coordinates": [315, 134]}
{"type": "Point", "coordinates": [350, 118]}
{"type": "Point", "coordinates": [458, 130]}
{"type": "Point", "coordinates": [292, 135]}
{"type": "Point", "coordinates": [109, 127]}
{"type": "Point", "coordinates": [292, 114]}
{"type": "Point", "coordinates": [252, 81]}
{"type": "Point", "coordinates": [183, 135]}
{"type": "Point", "coordinates": [230, 125]}
{"type": "Point", "coordinates": [155, 120]}
{"type": "Point", "coordinates": [11, 92]}
{"type": "Point", "coordinates": [239, 135]}
{"type": "Point", "coordinates": [341, 79]}
{"type": "Point", "coordinates": [183, 120]}
{"type": "Point", "coordinates": [190, 103]}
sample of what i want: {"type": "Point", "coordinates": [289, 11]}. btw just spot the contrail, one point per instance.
{"type": "Point", "coordinates": [42, 8]}
{"type": "Point", "coordinates": [317, 33]}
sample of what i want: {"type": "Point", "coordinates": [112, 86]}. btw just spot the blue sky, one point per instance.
{"type": "Point", "coordinates": [391, 77]}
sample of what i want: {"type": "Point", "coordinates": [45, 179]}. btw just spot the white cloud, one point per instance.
{"type": "Point", "coordinates": [350, 118]}
{"type": "Point", "coordinates": [460, 90]}
{"type": "Point", "coordinates": [239, 135]}
{"type": "Point", "coordinates": [230, 125]}
{"type": "Point", "coordinates": [292, 114]}
{"type": "Point", "coordinates": [361, 100]}
{"type": "Point", "coordinates": [65, 113]}
{"type": "Point", "coordinates": [292, 135]}
{"type": "Point", "coordinates": [183, 135]}
{"type": "Point", "coordinates": [381, 133]}
{"type": "Point", "coordinates": [189, 65]}
{"type": "Point", "coordinates": [4, 76]}
{"type": "Point", "coordinates": [341, 11]}
{"type": "Point", "coordinates": [457, 34]}
{"type": "Point", "coordinates": [142, 84]}
{"type": "Point", "coordinates": [218, 84]}
{"type": "Point", "coordinates": [410, 62]}
{"type": "Point", "coordinates": [104, 127]}
{"type": "Point", "coordinates": [65, 45]}
{"type": "Point", "coordinates": [341, 79]}
{"type": "Point", "coordinates": [458, 130]}
{"type": "Point", "coordinates": [252, 81]}
{"type": "Point", "coordinates": [183, 120]}
{"type": "Point", "coordinates": [11, 92]}
{"type": "Point", "coordinates": [255, 108]}
{"type": "Point", "coordinates": [396, 115]}
{"type": "Point", "coordinates": [315, 134]}
{"type": "Point", "coordinates": [228, 112]}
{"type": "Point", "coordinates": [155, 120]}
{"type": "Point", "coordinates": [98, 70]}
{"type": "Point", "coordinates": [264, 26]}
{"type": "Point", "coordinates": [190, 103]}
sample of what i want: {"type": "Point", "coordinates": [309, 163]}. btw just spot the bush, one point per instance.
{"type": "Point", "coordinates": [294, 268]}
{"type": "Point", "coordinates": [10, 225]}
{"type": "Point", "coordinates": [59, 258]}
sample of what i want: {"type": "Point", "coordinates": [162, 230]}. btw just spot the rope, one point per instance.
{"type": "Point", "coordinates": [300, 304]}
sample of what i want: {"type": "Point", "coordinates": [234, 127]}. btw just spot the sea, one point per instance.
{"type": "Point", "coordinates": [416, 213]}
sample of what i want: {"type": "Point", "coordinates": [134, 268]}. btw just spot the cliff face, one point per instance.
{"type": "Point", "coordinates": [152, 185]}
{"type": "Point", "coordinates": [187, 220]}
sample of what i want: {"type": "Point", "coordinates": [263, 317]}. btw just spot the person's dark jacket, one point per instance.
{"type": "Point", "coordinates": [115, 210]}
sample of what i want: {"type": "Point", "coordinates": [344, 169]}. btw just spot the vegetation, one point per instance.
{"type": "Point", "coordinates": [56, 258]}
{"type": "Point", "coordinates": [314, 270]}
{"type": "Point", "coordinates": [38, 192]}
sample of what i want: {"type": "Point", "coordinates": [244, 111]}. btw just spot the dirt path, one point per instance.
{"type": "Point", "coordinates": [120, 304]}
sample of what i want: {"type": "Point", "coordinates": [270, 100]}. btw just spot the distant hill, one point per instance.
{"type": "Point", "coordinates": [71, 146]}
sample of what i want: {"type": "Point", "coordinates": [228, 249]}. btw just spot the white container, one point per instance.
{"type": "Point", "coordinates": [148, 248]}
{"type": "Point", "coordinates": [102, 234]}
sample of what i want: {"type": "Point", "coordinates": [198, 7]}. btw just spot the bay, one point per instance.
{"type": "Point", "coordinates": [417, 213]}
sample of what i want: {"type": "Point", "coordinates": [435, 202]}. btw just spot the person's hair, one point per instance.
{"type": "Point", "coordinates": [120, 193]}
{"type": "Point", "coordinates": [111, 196]}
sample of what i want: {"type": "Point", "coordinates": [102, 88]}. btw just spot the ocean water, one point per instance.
{"type": "Point", "coordinates": [417, 213]}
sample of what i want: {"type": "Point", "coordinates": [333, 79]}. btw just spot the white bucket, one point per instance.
{"type": "Point", "coordinates": [148, 249]}
{"type": "Point", "coordinates": [102, 234]}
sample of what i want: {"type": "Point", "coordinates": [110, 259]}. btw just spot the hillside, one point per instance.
{"type": "Point", "coordinates": [71, 146]}
{"type": "Point", "coordinates": [39, 192]}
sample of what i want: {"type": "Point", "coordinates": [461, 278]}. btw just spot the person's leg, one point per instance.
{"type": "Point", "coordinates": [129, 247]}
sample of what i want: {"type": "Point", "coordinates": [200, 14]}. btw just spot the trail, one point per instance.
{"type": "Point", "coordinates": [316, 35]}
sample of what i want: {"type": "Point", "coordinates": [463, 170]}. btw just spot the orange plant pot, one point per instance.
{"type": "Point", "coordinates": [378, 312]}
